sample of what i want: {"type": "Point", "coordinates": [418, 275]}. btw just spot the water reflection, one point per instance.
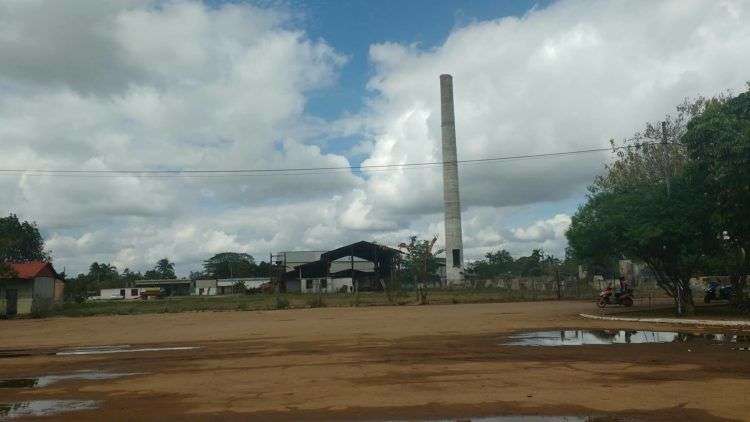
{"type": "Point", "coordinates": [45, 380]}
{"type": "Point", "coordinates": [603, 337]}
{"type": "Point", "coordinates": [44, 408]}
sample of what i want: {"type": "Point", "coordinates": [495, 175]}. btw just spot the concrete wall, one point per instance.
{"type": "Point", "coordinates": [205, 287]}
{"type": "Point", "coordinates": [25, 290]}
{"type": "Point", "coordinates": [344, 264]}
{"type": "Point", "coordinates": [59, 291]}
{"type": "Point", "coordinates": [116, 293]}
{"type": "Point", "coordinates": [332, 285]}
{"type": "Point", "coordinates": [293, 286]}
{"type": "Point", "coordinates": [44, 293]}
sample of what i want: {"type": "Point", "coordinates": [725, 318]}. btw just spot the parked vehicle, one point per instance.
{"type": "Point", "coordinates": [715, 291]}
{"type": "Point", "coordinates": [623, 296]}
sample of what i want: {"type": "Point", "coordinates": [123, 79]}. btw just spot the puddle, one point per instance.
{"type": "Point", "coordinates": [44, 408]}
{"type": "Point", "coordinates": [46, 380]}
{"type": "Point", "coordinates": [18, 383]}
{"type": "Point", "coordinates": [603, 337]}
{"type": "Point", "coordinates": [100, 350]}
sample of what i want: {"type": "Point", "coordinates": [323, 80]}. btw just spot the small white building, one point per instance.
{"type": "Point", "coordinates": [225, 286]}
{"type": "Point", "coordinates": [122, 293]}
{"type": "Point", "coordinates": [327, 285]}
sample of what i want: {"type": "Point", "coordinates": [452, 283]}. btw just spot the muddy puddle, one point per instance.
{"type": "Point", "coordinates": [100, 350]}
{"type": "Point", "coordinates": [45, 380]}
{"type": "Point", "coordinates": [89, 350]}
{"type": "Point", "coordinates": [607, 337]}
{"type": "Point", "coordinates": [37, 408]}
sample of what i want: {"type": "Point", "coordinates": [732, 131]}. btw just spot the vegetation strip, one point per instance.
{"type": "Point", "coordinates": [672, 321]}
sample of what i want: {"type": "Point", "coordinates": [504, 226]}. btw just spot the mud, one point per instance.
{"type": "Point", "coordinates": [49, 379]}
{"type": "Point", "coordinates": [36, 408]}
{"type": "Point", "coordinates": [609, 337]}
{"type": "Point", "coordinates": [373, 364]}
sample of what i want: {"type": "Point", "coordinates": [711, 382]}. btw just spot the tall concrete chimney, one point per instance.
{"type": "Point", "coordinates": [454, 249]}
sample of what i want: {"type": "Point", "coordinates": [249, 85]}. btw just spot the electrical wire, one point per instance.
{"type": "Point", "coordinates": [300, 171]}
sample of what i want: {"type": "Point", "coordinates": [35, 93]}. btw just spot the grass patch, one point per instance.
{"type": "Point", "coordinates": [258, 302]}
{"type": "Point", "coordinates": [720, 312]}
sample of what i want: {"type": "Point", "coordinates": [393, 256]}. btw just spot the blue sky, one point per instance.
{"type": "Point", "coordinates": [352, 26]}
{"type": "Point", "coordinates": [192, 84]}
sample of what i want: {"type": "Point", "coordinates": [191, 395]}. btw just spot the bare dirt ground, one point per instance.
{"type": "Point", "coordinates": [377, 363]}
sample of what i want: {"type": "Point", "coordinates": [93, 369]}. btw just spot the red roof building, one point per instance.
{"type": "Point", "coordinates": [33, 269]}
{"type": "Point", "coordinates": [32, 286]}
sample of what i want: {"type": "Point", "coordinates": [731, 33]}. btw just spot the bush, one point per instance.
{"type": "Point", "coordinates": [316, 301]}
{"type": "Point", "coordinates": [282, 302]}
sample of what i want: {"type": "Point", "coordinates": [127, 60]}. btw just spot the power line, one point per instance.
{"type": "Point", "coordinates": [299, 171]}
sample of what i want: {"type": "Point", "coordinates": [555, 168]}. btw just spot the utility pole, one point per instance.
{"type": "Point", "coordinates": [667, 158]}
{"type": "Point", "coordinates": [667, 176]}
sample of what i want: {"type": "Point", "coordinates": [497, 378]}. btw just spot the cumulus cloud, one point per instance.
{"type": "Point", "coordinates": [566, 77]}
{"type": "Point", "coordinates": [183, 85]}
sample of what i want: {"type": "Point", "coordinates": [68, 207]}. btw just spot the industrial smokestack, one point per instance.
{"type": "Point", "coordinates": [454, 249]}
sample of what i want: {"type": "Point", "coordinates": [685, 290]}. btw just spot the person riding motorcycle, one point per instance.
{"type": "Point", "coordinates": [624, 287]}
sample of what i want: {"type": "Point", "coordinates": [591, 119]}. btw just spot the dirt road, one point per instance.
{"type": "Point", "coordinates": [380, 363]}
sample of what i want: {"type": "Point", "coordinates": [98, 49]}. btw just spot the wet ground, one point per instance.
{"type": "Point", "coordinates": [37, 408]}
{"type": "Point", "coordinates": [610, 337]}
{"type": "Point", "coordinates": [429, 363]}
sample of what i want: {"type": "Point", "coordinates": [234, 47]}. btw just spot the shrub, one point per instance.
{"type": "Point", "coordinates": [282, 302]}
{"type": "Point", "coordinates": [316, 301]}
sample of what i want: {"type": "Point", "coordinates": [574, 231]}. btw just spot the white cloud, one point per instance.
{"type": "Point", "coordinates": [179, 84]}
{"type": "Point", "coordinates": [553, 228]}
{"type": "Point", "coordinates": [566, 77]}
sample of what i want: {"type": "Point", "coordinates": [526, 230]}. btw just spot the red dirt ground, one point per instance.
{"type": "Point", "coordinates": [379, 363]}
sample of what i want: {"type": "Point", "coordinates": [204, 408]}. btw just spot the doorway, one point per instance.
{"type": "Point", "coordinates": [11, 302]}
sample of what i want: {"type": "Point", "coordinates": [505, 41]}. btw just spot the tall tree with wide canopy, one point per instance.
{"type": "Point", "coordinates": [230, 265]}
{"type": "Point", "coordinates": [164, 270]}
{"type": "Point", "coordinates": [646, 224]}
{"type": "Point", "coordinates": [718, 144]}
{"type": "Point", "coordinates": [21, 241]}
{"type": "Point", "coordinates": [645, 207]}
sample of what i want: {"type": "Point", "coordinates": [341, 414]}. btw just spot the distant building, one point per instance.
{"type": "Point", "coordinates": [35, 286]}
{"type": "Point", "coordinates": [177, 287]}
{"type": "Point", "coordinates": [123, 293]}
{"type": "Point", "coordinates": [358, 266]}
{"type": "Point", "coordinates": [226, 286]}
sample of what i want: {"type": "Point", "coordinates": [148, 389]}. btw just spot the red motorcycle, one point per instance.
{"type": "Point", "coordinates": [609, 296]}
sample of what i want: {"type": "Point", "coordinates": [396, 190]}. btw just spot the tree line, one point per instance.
{"type": "Point", "coordinates": [676, 198]}
{"type": "Point", "coordinates": [539, 263]}
{"type": "Point", "coordinates": [21, 241]}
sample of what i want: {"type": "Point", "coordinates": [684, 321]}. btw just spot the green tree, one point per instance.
{"type": "Point", "coordinates": [6, 271]}
{"type": "Point", "coordinates": [496, 264]}
{"type": "Point", "coordinates": [718, 145]}
{"type": "Point", "coordinates": [647, 224]}
{"type": "Point", "coordinates": [164, 270]}
{"type": "Point", "coordinates": [230, 265]}
{"type": "Point", "coordinates": [21, 241]}
{"type": "Point", "coordinates": [645, 207]}
{"type": "Point", "coordinates": [103, 275]}
{"type": "Point", "coordinates": [420, 262]}
{"type": "Point", "coordinates": [532, 265]}
{"type": "Point", "coordinates": [128, 277]}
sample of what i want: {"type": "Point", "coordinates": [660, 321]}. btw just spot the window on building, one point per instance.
{"type": "Point", "coordinates": [133, 292]}
{"type": "Point", "coordinates": [323, 284]}
{"type": "Point", "coordinates": [308, 284]}
{"type": "Point", "coordinates": [201, 290]}
{"type": "Point", "coordinates": [122, 292]}
{"type": "Point", "coordinates": [457, 257]}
